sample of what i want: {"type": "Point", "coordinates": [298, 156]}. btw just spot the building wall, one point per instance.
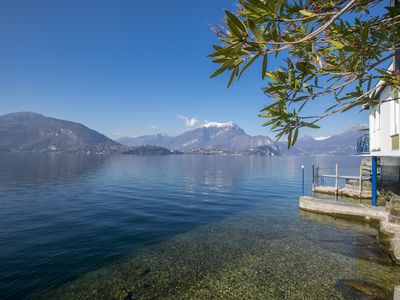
{"type": "Point", "coordinates": [384, 126]}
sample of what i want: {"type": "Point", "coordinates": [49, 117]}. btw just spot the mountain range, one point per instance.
{"type": "Point", "coordinates": [229, 137]}
{"type": "Point", "coordinates": [27, 131]}
{"type": "Point", "coordinates": [32, 132]}
{"type": "Point", "coordinates": [213, 135]}
{"type": "Point", "coordinates": [340, 144]}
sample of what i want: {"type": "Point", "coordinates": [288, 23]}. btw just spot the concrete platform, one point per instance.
{"type": "Point", "coordinates": [333, 207]}
{"type": "Point", "coordinates": [360, 211]}
{"type": "Point", "coordinates": [346, 192]}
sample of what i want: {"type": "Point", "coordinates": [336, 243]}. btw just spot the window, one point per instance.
{"type": "Point", "coordinates": [394, 120]}
{"type": "Point", "coordinates": [375, 127]}
{"type": "Point", "coordinates": [377, 118]}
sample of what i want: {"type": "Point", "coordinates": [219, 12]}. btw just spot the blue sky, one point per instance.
{"type": "Point", "coordinates": [127, 67]}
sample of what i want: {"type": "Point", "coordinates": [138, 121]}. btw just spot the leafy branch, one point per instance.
{"type": "Point", "coordinates": [321, 48]}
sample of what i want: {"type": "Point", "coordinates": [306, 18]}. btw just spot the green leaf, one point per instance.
{"type": "Point", "coordinates": [337, 45]}
{"type": "Point", "coordinates": [274, 88]}
{"type": "Point", "coordinates": [264, 66]}
{"type": "Point", "coordinates": [257, 33]}
{"type": "Point", "coordinates": [223, 51]}
{"type": "Point", "coordinates": [296, 134]}
{"type": "Point", "coordinates": [289, 141]}
{"type": "Point", "coordinates": [233, 28]}
{"type": "Point", "coordinates": [223, 68]}
{"type": "Point", "coordinates": [383, 72]}
{"type": "Point", "coordinates": [248, 64]}
{"type": "Point", "coordinates": [311, 125]}
{"type": "Point", "coordinates": [218, 72]}
{"type": "Point", "coordinates": [268, 115]}
{"type": "Point", "coordinates": [271, 75]}
{"type": "Point", "coordinates": [364, 33]}
{"type": "Point", "coordinates": [257, 5]}
{"type": "Point", "coordinates": [232, 77]}
{"type": "Point", "coordinates": [216, 47]}
{"type": "Point", "coordinates": [331, 107]}
{"type": "Point", "coordinates": [235, 20]}
{"type": "Point", "coordinates": [307, 13]}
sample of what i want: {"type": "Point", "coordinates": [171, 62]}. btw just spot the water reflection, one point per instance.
{"type": "Point", "coordinates": [46, 168]}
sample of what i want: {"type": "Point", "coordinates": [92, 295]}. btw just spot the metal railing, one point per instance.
{"type": "Point", "coordinates": [363, 144]}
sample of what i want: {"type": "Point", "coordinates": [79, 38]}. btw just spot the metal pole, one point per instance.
{"type": "Point", "coordinates": [374, 181]}
{"type": "Point", "coordinates": [337, 179]}
{"type": "Point", "coordinates": [302, 180]}
{"type": "Point", "coordinates": [360, 183]}
{"type": "Point", "coordinates": [313, 177]}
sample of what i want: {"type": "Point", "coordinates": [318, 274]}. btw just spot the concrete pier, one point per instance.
{"type": "Point", "coordinates": [337, 208]}
{"type": "Point", "coordinates": [345, 192]}
{"type": "Point", "coordinates": [365, 212]}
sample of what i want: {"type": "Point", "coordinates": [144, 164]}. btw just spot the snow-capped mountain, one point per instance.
{"type": "Point", "coordinates": [230, 137]}
{"type": "Point", "coordinates": [341, 144]}
{"type": "Point", "coordinates": [212, 135]}
{"type": "Point", "coordinates": [219, 125]}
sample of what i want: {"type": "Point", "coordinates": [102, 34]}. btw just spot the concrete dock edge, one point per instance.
{"type": "Point", "coordinates": [344, 209]}
{"type": "Point", "coordinates": [359, 211]}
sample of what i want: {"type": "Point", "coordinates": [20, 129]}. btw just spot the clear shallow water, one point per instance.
{"type": "Point", "coordinates": [127, 227]}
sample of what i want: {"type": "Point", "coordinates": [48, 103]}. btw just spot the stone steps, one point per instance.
{"type": "Point", "coordinates": [353, 184]}
{"type": "Point", "coordinates": [393, 206]}
{"type": "Point", "coordinates": [394, 219]}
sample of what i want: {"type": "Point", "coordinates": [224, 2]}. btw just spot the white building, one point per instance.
{"type": "Point", "coordinates": [384, 123]}
{"type": "Point", "coordinates": [384, 129]}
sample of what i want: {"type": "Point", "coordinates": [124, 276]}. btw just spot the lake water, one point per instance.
{"type": "Point", "coordinates": [178, 227]}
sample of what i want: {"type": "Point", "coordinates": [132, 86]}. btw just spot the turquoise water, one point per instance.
{"type": "Point", "coordinates": [178, 227]}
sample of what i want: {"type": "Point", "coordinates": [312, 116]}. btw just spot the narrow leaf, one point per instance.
{"type": "Point", "coordinates": [257, 33]}
{"type": "Point", "coordinates": [232, 77]}
{"type": "Point", "coordinates": [338, 45]}
{"type": "Point", "coordinates": [306, 13]}
{"type": "Point", "coordinates": [239, 24]}
{"type": "Point", "coordinates": [289, 141]}
{"type": "Point", "coordinates": [248, 64]}
{"type": "Point", "coordinates": [264, 66]}
{"type": "Point", "coordinates": [296, 134]}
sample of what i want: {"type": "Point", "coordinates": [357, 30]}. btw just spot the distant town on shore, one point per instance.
{"type": "Point", "coordinates": [33, 132]}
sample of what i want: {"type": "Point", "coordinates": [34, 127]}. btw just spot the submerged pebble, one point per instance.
{"type": "Point", "coordinates": [238, 259]}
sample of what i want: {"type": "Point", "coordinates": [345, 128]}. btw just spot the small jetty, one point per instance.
{"type": "Point", "coordinates": [357, 190]}
{"type": "Point", "coordinates": [354, 187]}
{"type": "Point", "coordinates": [387, 217]}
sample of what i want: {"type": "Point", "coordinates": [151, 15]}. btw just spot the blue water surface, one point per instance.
{"type": "Point", "coordinates": [64, 215]}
